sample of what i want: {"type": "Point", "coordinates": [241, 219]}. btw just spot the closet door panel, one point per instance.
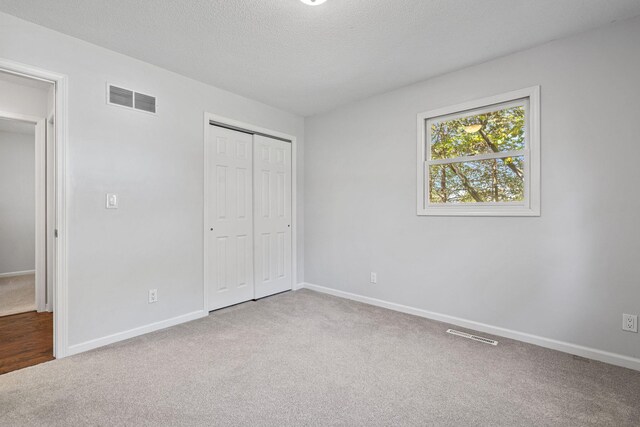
{"type": "Point", "coordinates": [229, 218]}
{"type": "Point", "coordinates": [272, 190]}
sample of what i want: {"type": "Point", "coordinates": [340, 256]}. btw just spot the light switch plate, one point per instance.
{"type": "Point", "coordinates": [112, 201]}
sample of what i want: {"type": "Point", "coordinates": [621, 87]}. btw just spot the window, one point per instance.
{"type": "Point", "coordinates": [481, 158]}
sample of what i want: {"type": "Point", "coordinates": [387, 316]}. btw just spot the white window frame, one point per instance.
{"type": "Point", "coordinates": [530, 206]}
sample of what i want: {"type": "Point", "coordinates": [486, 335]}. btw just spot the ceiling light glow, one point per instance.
{"type": "Point", "coordinates": [472, 128]}
{"type": "Point", "coordinates": [313, 2]}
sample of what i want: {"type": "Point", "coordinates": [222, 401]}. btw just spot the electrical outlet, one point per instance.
{"type": "Point", "coordinates": [111, 201]}
{"type": "Point", "coordinates": [630, 322]}
{"type": "Point", "coordinates": [374, 277]}
{"type": "Point", "coordinates": [153, 296]}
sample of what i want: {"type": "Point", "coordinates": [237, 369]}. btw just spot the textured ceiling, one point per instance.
{"type": "Point", "coordinates": [308, 59]}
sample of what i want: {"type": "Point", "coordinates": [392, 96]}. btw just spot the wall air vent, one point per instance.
{"type": "Point", "coordinates": [120, 96]}
{"type": "Point", "coordinates": [145, 103]}
{"type": "Point", "coordinates": [472, 337]}
{"type": "Point", "coordinates": [130, 99]}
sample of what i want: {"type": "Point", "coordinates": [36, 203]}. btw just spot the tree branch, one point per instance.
{"type": "Point", "coordinates": [495, 149]}
{"type": "Point", "coordinates": [465, 182]}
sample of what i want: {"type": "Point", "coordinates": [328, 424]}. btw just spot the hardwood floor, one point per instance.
{"type": "Point", "coordinates": [26, 339]}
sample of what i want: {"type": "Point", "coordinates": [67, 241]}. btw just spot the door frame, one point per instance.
{"type": "Point", "coordinates": [60, 274]}
{"type": "Point", "coordinates": [250, 128]}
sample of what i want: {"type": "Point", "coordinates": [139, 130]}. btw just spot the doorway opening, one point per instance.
{"type": "Point", "coordinates": [27, 220]}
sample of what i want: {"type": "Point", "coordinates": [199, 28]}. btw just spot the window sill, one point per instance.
{"type": "Point", "coordinates": [478, 211]}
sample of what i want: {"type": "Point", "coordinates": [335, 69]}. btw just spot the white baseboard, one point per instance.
{"type": "Point", "coordinates": [17, 273]}
{"type": "Point", "coordinates": [590, 353]}
{"type": "Point", "coordinates": [131, 333]}
{"type": "Point", "coordinates": [298, 286]}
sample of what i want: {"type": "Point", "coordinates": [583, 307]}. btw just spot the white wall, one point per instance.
{"type": "Point", "coordinates": [20, 99]}
{"type": "Point", "coordinates": [567, 275]}
{"type": "Point", "coordinates": [154, 163]}
{"type": "Point", "coordinates": [17, 202]}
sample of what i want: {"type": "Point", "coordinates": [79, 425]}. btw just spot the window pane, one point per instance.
{"type": "Point", "coordinates": [483, 181]}
{"type": "Point", "coordinates": [490, 132]}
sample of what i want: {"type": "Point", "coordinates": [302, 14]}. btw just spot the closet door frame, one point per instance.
{"type": "Point", "coordinates": [209, 120]}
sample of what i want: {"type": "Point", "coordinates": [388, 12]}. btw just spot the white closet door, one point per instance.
{"type": "Point", "coordinates": [229, 222]}
{"type": "Point", "coordinates": [272, 215]}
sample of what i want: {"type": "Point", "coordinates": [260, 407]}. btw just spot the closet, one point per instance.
{"type": "Point", "coordinates": [247, 216]}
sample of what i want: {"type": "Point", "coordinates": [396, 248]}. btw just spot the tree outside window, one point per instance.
{"type": "Point", "coordinates": [478, 161]}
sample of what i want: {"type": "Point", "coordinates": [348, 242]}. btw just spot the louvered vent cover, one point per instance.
{"type": "Point", "coordinates": [130, 99]}
{"type": "Point", "coordinates": [472, 337]}
{"type": "Point", "coordinates": [120, 96]}
{"type": "Point", "coordinates": [145, 103]}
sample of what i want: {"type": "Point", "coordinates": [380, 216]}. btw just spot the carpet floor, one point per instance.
{"type": "Point", "coordinates": [17, 294]}
{"type": "Point", "coordinates": [304, 358]}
